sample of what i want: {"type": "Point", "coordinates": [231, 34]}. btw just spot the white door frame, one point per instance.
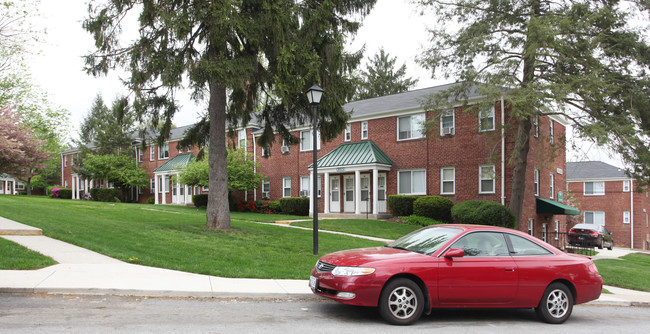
{"type": "Point", "coordinates": [364, 193]}
{"type": "Point", "coordinates": [335, 193]}
{"type": "Point", "coordinates": [348, 190]}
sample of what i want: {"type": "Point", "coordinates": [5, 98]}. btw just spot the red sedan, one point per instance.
{"type": "Point", "coordinates": [458, 266]}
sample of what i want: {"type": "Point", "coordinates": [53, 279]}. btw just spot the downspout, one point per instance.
{"type": "Point", "coordinates": [254, 164]}
{"type": "Point", "coordinates": [631, 214]}
{"type": "Point", "coordinates": [62, 170]}
{"type": "Point", "coordinates": [503, 154]}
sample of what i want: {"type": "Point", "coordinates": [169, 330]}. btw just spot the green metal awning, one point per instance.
{"type": "Point", "coordinates": [556, 208]}
{"type": "Point", "coordinates": [352, 154]}
{"type": "Point", "coordinates": [177, 163]}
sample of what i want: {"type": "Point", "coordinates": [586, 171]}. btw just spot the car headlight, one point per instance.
{"type": "Point", "coordinates": [352, 271]}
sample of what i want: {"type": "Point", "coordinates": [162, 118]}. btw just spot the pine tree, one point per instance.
{"type": "Point", "coordinates": [380, 77]}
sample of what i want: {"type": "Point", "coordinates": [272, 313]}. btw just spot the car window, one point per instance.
{"type": "Point", "coordinates": [426, 240]}
{"type": "Point", "coordinates": [483, 244]}
{"type": "Point", "coordinates": [524, 247]}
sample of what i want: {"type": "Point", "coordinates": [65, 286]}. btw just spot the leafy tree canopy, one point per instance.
{"type": "Point", "coordinates": [382, 78]}
{"type": "Point", "coordinates": [241, 172]}
{"type": "Point", "coordinates": [121, 170]}
{"type": "Point", "coordinates": [109, 129]}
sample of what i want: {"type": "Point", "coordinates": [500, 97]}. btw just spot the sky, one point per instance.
{"type": "Point", "coordinates": [57, 64]}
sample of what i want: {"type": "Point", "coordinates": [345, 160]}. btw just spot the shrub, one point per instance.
{"type": "Point", "coordinates": [106, 194]}
{"type": "Point", "coordinates": [53, 191]}
{"type": "Point", "coordinates": [419, 220]}
{"type": "Point", "coordinates": [151, 200]}
{"type": "Point", "coordinates": [298, 206]}
{"type": "Point", "coordinates": [247, 206]}
{"type": "Point", "coordinates": [65, 193]}
{"type": "Point", "coordinates": [436, 207]}
{"type": "Point", "coordinates": [275, 207]}
{"type": "Point", "coordinates": [401, 205]}
{"type": "Point", "coordinates": [200, 200]}
{"type": "Point", "coordinates": [482, 213]}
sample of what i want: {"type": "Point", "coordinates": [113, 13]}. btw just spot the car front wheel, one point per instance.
{"type": "Point", "coordinates": [401, 302]}
{"type": "Point", "coordinates": [556, 304]}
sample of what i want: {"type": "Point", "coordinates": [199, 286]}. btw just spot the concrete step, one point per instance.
{"type": "Point", "coordinates": [10, 227]}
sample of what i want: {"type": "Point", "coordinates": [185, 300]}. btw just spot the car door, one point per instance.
{"type": "Point", "coordinates": [486, 275]}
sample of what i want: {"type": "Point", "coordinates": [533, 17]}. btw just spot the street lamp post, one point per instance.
{"type": "Point", "coordinates": [314, 95]}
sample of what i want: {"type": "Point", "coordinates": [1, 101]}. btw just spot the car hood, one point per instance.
{"type": "Point", "coordinates": [364, 256]}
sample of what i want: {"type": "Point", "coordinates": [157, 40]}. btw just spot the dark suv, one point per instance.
{"type": "Point", "coordinates": [590, 235]}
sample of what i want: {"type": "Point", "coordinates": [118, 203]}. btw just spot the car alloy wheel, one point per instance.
{"type": "Point", "coordinates": [401, 302]}
{"type": "Point", "coordinates": [556, 304]}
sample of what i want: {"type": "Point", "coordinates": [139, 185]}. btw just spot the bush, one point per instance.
{"type": "Point", "coordinates": [436, 207]}
{"type": "Point", "coordinates": [482, 213]}
{"type": "Point", "coordinates": [106, 195]}
{"type": "Point", "coordinates": [65, 193]}
{"type": "Point", "coordinates": [401, 205]}
{"type": "Point", "coordinates": [275, 206]}
{"type": "Point", "coordinates": [50, 191]}
{"type": "Point", "coordinates": [151, 200]}
{"type": "Point", "coordinates": [200, 200]}
{"type": "Point", "coordinates": [419, 220]}
{"type": "Point", "coordinates": [298, 206]}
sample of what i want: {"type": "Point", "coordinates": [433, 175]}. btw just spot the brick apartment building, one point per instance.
{"type": "Point", "coordinates": [382, 152]}
{"type": "Point", "coordinates": [607, 196]}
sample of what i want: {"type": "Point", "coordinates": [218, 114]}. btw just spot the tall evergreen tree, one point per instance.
{"type": "Point", "coordinates": [581, 59]}
{"type": "Point", "coordinates": [234, 53]}
{"type": "Point", "coordinates": [109, 129]}
{"type": "Point", "coordinates": [381, 78]}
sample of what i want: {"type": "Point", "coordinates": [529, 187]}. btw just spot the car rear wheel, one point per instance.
{"type": "Point", "coordinates": [611, 245]}
{"type": "Point", "coordinates": [401, 302]}
{"type": "Point", "coordinates": [556, 304]}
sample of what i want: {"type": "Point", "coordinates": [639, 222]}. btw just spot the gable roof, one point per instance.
{"type": "Point", "coordinates": [586, 170]}
{"type": "Point", "coordinates": [177, 163]}
{"type": "Point", "coordinates": [353, 154]}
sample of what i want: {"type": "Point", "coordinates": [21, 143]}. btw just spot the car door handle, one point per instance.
{"type": "Point", "coordinates": [510, 269]}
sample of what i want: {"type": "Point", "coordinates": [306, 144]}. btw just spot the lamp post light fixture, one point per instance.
{"type": "Point", "coordinates": [314, 95]}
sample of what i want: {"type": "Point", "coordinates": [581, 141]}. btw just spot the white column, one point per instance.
{"type": "Point", "coordinates": [74, 187]}
{"type": "Point", "coordinates": [187, 194]}
{"type": "Point", "coordinates": [155, 189]}
{"type": "Point", "coordinates": [326, 193]}
{"type": "Point", "coordinates": [375, 190]}
{"type": "Point", "coordinates": [311, 192]}
{"type": "Point", "coordinates": [165, 185]}
{"type": "Point", "coordinates": [178, 190]}
{"type": "Point", "coordinates": [357, 192]}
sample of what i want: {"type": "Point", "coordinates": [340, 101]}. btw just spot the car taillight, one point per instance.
{"type": "Point", "coordinates": [572, 231]}
{"type": "Point", "coordinates": [593, 269]}
{"type": "Point", "coordinates": [593, 234]}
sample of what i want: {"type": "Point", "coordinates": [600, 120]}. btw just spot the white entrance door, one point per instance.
{"type": "Point", "coordinates": [174, 192]}
{"type": "Point", "coordinates": [335, 194]}
{"type": "Point", "coordinates": [348, 194]}
{"type": "Point", "coordinates": [381, 193]}
{"type": "Point", "coordinates": [365, 194]}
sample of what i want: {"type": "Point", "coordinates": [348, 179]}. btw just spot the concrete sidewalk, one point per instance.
{"type": "Point", "coordinates": [81, 271]}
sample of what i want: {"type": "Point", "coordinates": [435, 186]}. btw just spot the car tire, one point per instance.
{"type": "Point", "coordinates": [401, 302]}
{"type": "Point", "coordinates": [611, 245]}
{"type": "Point", "coordinates": [600, 244]}
{"type": "Point", "coordinates": [556, 304]}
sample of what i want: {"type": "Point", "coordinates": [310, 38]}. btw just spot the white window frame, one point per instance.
{"type": "Point", "coordinates": [65, 161]}
{"type": "Point", "coordinates": [285, 143]}
{"type": "Point", "coordinates": [241, 139]}
{"type": "Point", "coordinates": [286, 184]}
{"type": "Point", "coordinates": [536, 181]}
{"type": "Point", "coordinates": [364, 130]}
{"type": "Point", "coordinates": [21, 186]}
{"type": "Point", "coordinates": [411, 172]}
{"type": "Point", "coordinates": [416, 126]}
{"type": "Point", "coordinates": [443, 180]}
{"type": "Point", "coordinates": [594, 216]}
{"type": "Point", "coordinates": [626, 217]}
{"type": "Point", "coordinates": [443, 115]}
{"type": "Point", "coordinates": [481, 179]}
{"type": "Point", "coordinates": [140, 154]}
{"type": "Point", "coordinates": [551, 185]}
{"type": "Point", "coordinates": [152, 185]}
{"type": "Point", "coordinates": [348, 132]}
{"type": "Point", "coordinates": [557, 230]}
{"type": "Point", "coordinates": [600, 192]}
{"type": "Point", "coordinates": [152, 153]}
{"type": "Point", "coordinates": [486, 114]}
{"type": "Point", "coordinates": [304, 142]}
{"type": "Point", "coordinates": [531, 225]}
{"type": "Point", "coordinates": [626, 186]}
{"type": "Point", "coordinates": [308, 189]}
{"type": "Point", "coordinates": [551, 132]}
{"type": "Point", "coordinates": [163, 151]}
{"type": "Point", "coordinates": [536, 126]}
{"type": "Point", "coordinates": [266, 184]}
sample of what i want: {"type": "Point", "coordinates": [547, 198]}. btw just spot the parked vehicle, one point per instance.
{"type": "Point", "coordinates": [458, 266]}
{"type": "Point", "coordinates": [591, 235]}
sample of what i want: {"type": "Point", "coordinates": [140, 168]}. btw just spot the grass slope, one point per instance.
{"type": "Point", "coordinates": [16, 257]}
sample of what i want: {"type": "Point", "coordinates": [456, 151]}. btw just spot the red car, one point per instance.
{"type": "Point", "coordinates": [458, 266]}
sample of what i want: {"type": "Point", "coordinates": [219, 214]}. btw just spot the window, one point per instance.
{"type": "Point", "coordinates": [544, 225]}
{"type": "Point", "coordinates": [550, 129]}
{"type": "Point", "coordinates": [595, 217]}
{"type": "Point", "coordinates": [152, 185]}
{"type": "Point", "coordinates": [286, 148]}
{"type": "Point", "coordinates": [486, 179]}
{"type": "Point", "coordinates": [551, 184]}
{"type": "Point", "coordinates": [447, 180]}
{"type": "Point", "coordinates": [65, 161]}
{"type": "Point", "coordinates": [286, 187]}
{"type": "Point", "coordinates": [524, 247]}
{"type": "Point", "coordinates": [152, 153]}
{"type": "Point", "coordinates": [304, 186]}
{"type": "Point", "coordinates": [265, 151]}
{"type": "Point", "coordinates": [626, 186]}
{"type": "Point", "coordinates": [266, 189]}
{"type": "Point", "coordinates": [486, 119]}
{"type": "Point", "coordinates": [595, 188]}
{"type": "Point", "coordinates": [483, 244]}
{"type": "Point", "coordinates": [21, 186]}
{"type": "Point", "coordinates": [536, 126]}
{"type": "Point", "coordinates": [557, 230]}
{"type": "Point", "coordinates": [447, 123]}
{"type": "Point", "coordinates": [241, 142]}
{"type": "Point", "coordinates": [163, 185]}
{"type": "Point", "coordinates": [626, 217]}
{"type": "Point", "coordinates": [411, 182]}
{"type": "Point", "coordinates": [306, 138]}
{"type": "Point", "coordinates": [348, 132]}
{"type": "Point", "coordinates": [140, 154]}
{"type": "Point", "coordinates": [364, 130]}
{"type": "Point", "coordinates": [163, 151]}
{"type": "Point", "coordinates": [410, 127]}
{"type": "Point", "coordinates": [536, 182]}
{"type": "Point", "coordinates": [530, 226]}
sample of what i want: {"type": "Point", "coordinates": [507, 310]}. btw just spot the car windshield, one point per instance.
{"type": "Point", "coordinates": [426, 240]}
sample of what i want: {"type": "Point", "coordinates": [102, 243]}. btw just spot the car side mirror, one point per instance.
{"type": "Point", "coordinates": [455, 252]}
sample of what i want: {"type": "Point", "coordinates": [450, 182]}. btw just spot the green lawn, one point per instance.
{"type": "Point", "coordinates": [16, 257]}
{"type": "Point", "coordinates": [374, 228]}
{"type": "Point", "coordinates": [632, 271]}
{"type": "Point", "coordinates": [176, 238]}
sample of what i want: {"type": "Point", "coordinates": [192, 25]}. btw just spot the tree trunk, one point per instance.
{"type": "Point", "coordinates": [218, 210]}
{"type": "Point", "coordinates": [522, 146]}
{"type": "Point", "coordinates": [29, 186]}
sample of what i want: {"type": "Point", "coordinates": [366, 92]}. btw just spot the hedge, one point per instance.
{"type": "Point", "coordinates": [65, 193]}
{"type": "Point", "coordinates": [106, 195]}
{"type": "Point", "coordinates": [401, 205]}
{"type": "Point", "coordinates": [482, 213]}
{"type": "Point", "coordinates": [298, 206]}
{"type": "Point", "coordinates": [436, 207]}
{"type": "Point", "coordinates": [200, 200]}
